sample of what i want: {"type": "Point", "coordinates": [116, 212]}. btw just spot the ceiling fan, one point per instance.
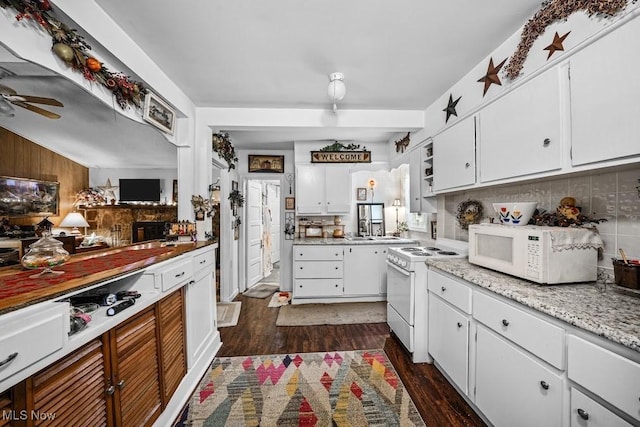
{"type": "Point", "coordinates": [9, 96]}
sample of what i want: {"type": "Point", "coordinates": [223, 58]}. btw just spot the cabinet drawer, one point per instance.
{"type": "Point", "coordinates": [586, 412]}
{"type": "Point", "coordinates": [450, 290]}
{"type": "Point", "coordinates": [530, 332]}
{"type": "Point", "coordinates": [318, 269]}
{"type": "Point", "coordinates": [177, 274]}
{"type": "Point", "coordinates": [204, 259]}
{"type": "Point", "coordinates": [320, 253]}
{"type": "Point", "coordinates": [305, 288]}
{"type": "Point", "coordinates": [606, 374]}
{"type": "Point", "coordinates": [30, 336]}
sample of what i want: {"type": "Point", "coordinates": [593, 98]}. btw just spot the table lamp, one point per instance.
{"type": "Point", "coordinates": [396, 204]}
{"type": "Point", "coordinates": [74, 220]}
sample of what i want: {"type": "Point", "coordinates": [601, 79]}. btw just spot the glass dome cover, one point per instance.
{"type": "Point", "coordinates": [45, 253]}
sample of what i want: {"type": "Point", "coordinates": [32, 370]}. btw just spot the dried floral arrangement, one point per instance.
{"type": "Point", "coordinates": [236, 198]}
{"type": "Point", "coordinates": [553, 11]}
{"type": "Point", "coordinates": [557, 219]}
{"type": "Point", "coordinates": [89, 196]}
{"type": "Point", "coordinates": [71, 47]}
{"type": "Point", "coordinates": [338, 146]}
{"type": "Point", "coordinates": [225, 149]}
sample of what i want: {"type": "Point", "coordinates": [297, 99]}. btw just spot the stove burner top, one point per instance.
{"type": "Point", "coordinates": [421, 253]}
{"type": "Point", "coordinates": [414, 249]}
{"type": "Point", "coordinates": [447, 253]}
{"type": "Point", "coordinates": [432, 248]}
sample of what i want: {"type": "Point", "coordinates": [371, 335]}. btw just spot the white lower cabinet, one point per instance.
{"type": "Point", "coordinates": [362, 270]}
{"type": "Point", "coordinates": [449, 341]}
{"type": "Point", "coordinates": [513, 388]}
{"type": "Point", "coordinates": [586, 412]}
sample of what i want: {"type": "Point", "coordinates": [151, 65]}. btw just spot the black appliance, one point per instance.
{"type": "Point", "coordinates": [140, 190]}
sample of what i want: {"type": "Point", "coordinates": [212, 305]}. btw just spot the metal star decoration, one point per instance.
{"type": "Point", "coordinates": [492, 75]}
{"type": "Point", "coordinates": [556, 45]}
{"type": "Point", "coordinates": [451, 107]}
{"type": "Point", "coordinates": [109, 189]}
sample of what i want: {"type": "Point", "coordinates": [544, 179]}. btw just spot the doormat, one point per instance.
{"type": "Point", "coordinates": [354, 388]}
{"type": "Point", "coordinates": [279, 299]}
{"type": "Point", "coordinates": [343, 313]}
{"type": "Point", "coordinates": [262, 290]}
{"type": "Point", "coordinates": [228, 313]}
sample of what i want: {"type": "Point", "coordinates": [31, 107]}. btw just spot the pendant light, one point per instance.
{"type": "Point", "coordinates": [336, 90]}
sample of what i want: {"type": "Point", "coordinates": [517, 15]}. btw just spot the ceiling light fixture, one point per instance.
{"type": "Point", "coordinates": [337, 90]}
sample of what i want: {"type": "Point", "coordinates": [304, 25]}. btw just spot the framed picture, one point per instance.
{"type": "Point", "coordinates": [175, 191]}
{"type": "Point", "coordinates": [289, 203]}
{"type": "Point", "coordinates": [361, 194]}
{"type": "Point", "coordinates": [159, 113]}
{"type": "Point", "coordinates": [234, 185]}
{"type": "Point", "coordinates": [434, 230]}
{"type": "Point", "coordinates": [259, 163]}
{"type": "Point", "coordinates": [289, 226]}
{"type": "Point", "coordinates": [28, 197]}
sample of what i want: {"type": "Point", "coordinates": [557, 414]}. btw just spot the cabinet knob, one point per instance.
{"type": "Point", "coordinates": [349, 250]}
{"type": "Point", "coordinates": [9, 359]}
{"type": "Point", "coordinates": [300, 267]}
{"type": "Point", "coordinates": [375, 252]}
{"type": "Point", "coordinates": [328, 203]}
{"type": "Point", "coordinates": [336, 285]}
{"type": "Point", "coordinates": [466, 165]}
{"type": "Point", "coordinates": [300, 286]}
{"type": "Point", "coordinates": [120, 384]}
{"type": "Point", "coordinates": [546, 142]}
{"type": "Point", "coordinates": [505, 322]}
{"type": "Point", "coordinates": [544, 385]}
{"type": "Point", "coordinates": [110, 390]}
{"type": "Point", "coordinates": [459, 325]}
{"type": "Point", "coordinates": [336, 267]}
{"type": "Point", "coordinates": [443, 289]}
{"type": "Point", "coordinates": [583, 414]}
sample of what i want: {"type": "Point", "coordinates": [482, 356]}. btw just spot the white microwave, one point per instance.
{"type": "Point", "coordinates": [546, 255]}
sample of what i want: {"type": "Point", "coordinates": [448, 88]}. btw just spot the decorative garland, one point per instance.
{"type": "Point", "coordinates": [553, 11]}
{"type": "Point", "coordinates": [469, 212]}
{"type": "Point", "coordinates": [236, 198]}
{"type": "Point", "coordinates": [225, 149]}
{"type": "Point", "coordinates": [338, 146]}
{"type": "Point", "coordinates": [71, 47]}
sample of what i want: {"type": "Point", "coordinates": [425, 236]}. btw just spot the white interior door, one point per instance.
{"type": "Point", "coordinates": [273, 202]}
{"type": "Point", "coordinates": [254, 232]}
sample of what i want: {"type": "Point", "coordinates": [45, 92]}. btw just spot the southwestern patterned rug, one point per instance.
{"type": "Point", "coordinates": [341, 388]}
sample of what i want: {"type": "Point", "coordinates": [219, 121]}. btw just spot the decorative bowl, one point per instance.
{"type": "Point", "coordinates": [515, 213]}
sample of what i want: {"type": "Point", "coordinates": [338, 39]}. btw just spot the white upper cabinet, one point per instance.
{"type": "Point", "coordinates": [605, 87]}
{"type": "Point", "coordinates": [454, 156]}
{"type": "Point", "coordinates": [521, 133]}
{"type": "Point", "coordinates": [322, 189]}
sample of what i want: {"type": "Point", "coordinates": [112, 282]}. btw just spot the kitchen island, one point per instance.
{"type": "Point", "coordinates": [522, 353]}
{"type": "Point", "coordinates": [136, 366]}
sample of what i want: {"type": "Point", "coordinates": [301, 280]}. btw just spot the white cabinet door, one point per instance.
{"type": "Point", "coordinates": [454, 156]}
{"type": "Point", "coordinates": [201, 314]}
{"type": "Point", "coordinates": [604, 101]}
{"type": "Point", "coordinates": [512, 388]}
{"type": "Point", "coordinates": [521, 133]}
{"type": "Point", "coordinates": [449, 341]}
{"type": "Point", "coordinates": [310, 189]}
{"type": "Point", "coordinates": [415, 181]}
{"type": "Point", "coordinates": [361, 276]}
{"type": "Point", "coordinates": [337, 189]}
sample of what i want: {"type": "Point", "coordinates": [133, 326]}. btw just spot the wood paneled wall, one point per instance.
{"type": "Point", "coordinates": [21, 158]}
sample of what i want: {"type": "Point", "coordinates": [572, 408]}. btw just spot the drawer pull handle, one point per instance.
{"type": "Point", "coordinates": [459, 325]}
{"type": "Point", "coordinates": [193, 282]}
{"type": "Point", "coordinates": [203, 261]}
{"type": "Point", "coordinates": [583, 414]}
{"type": "Point", "coordinates": [336, 285]}
{"type": "Point", "coordinates": [443, 289]}
{"type": "Point", "coordinates": [301, 268]}
{"type": "Point", "coordinates": [120, 384]}
{"type": "Point", "coordinates": [180, 275]}
{"type": "Point", "coordinates": [336, 268]}
{"type": "Point", "coordinates": [544, 385]}
{"type": "Point", "coordinates": [505, 322]}
{"type": "Point", "coordinates": [110, 390]}
{"type": "Point", "coordinates": [300, 285]}
{"type": "Point", "coordinates": [546, 142]}
{"type": "Point", "coordinates": [336, 254]}
{"type": "Point", "coordinates": [466, 165]}
{"type": "Point", "coordinates": [9, 359]}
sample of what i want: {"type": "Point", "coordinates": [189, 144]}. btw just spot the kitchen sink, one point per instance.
{"type": "Point", "coordinates": [360, 238]}
{"type": "Point", "coordinates": [373, 238]}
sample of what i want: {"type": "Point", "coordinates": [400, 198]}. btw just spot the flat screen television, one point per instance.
{"type": "Point", "coordinates": [139, 190]}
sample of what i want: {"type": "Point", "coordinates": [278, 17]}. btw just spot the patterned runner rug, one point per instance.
{"type": "Point", "coordinates": [341, 388]}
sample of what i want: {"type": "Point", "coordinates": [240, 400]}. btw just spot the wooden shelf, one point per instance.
{"type": "Point", "coordinates": [132, 206]}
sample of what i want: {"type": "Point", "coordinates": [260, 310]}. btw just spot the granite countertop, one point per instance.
{"type": "Point", "coordinates": [609, 314]}
{"type": "Point", "coordinates": [382, 240]}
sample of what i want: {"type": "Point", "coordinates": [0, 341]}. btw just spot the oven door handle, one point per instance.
{"type": "Point", "coordinates": [398, 269]}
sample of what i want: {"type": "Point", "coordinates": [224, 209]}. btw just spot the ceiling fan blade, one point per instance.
{"type": "Point", "coordinates": [35, 109]}
{"type": "Point", "coordinates": [40, 100]}
{"type": "Point", "coordinates": [7, 90]}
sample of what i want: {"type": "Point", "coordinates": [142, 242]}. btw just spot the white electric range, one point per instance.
{"type": "Point", "coordinates": [407, 295]}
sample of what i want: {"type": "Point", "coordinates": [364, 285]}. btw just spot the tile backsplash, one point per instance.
{"type": "Point", "coordinates": [613, 196]}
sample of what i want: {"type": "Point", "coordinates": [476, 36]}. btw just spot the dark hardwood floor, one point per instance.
{"type": "Point", "coordinates": [257, 333]}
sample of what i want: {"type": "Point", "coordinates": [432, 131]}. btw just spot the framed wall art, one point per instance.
{"type": "Point", "coordinates": [28, 197]}
{"type": "Point", "coordinates": [159, 113]}
{"type": "Point", "coordinates": [289, 203]}
{"type": "Point", "coordinates": [361, 194]}
{"type": "Point", "coordinates": [261, 163]}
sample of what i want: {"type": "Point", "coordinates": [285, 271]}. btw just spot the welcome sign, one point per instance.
{"type": "Point", "coordinates": [341, 157]}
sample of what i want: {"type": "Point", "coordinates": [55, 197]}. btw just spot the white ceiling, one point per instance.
{"type": "Point", "coordinates": [399, 55]}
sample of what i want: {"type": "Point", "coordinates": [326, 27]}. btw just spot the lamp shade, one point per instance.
{"type": "Point", "coordinates": [74, 220]}
{"type": "Point", "coordinates": [396, 203]}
